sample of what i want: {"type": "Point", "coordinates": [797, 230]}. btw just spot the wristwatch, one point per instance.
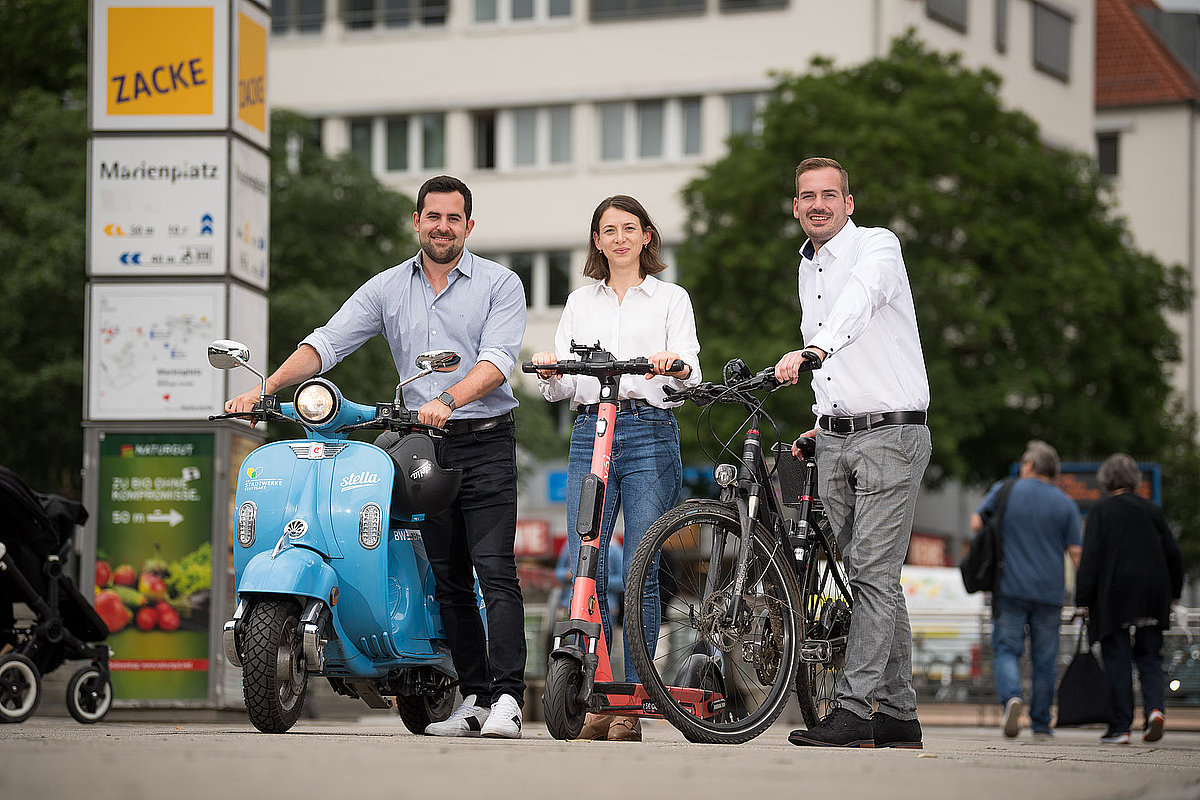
{"type": "Point", "coordinates": [448, 399]}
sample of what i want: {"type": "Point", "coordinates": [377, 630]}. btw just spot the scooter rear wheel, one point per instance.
{"type": "Point", "coordinates": [274, 678]}
{"type": "Point", "coordinates": [564, 712]}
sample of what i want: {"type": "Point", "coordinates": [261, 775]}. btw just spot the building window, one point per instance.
{"type": "Point", "coordinates": [948, 12]}
{"type": "Point", "coordinates": [602, 10]}
{"type": "Point", "coordinates": [727, 6]}
{"type": "Point", "coordinates": [692, 142]}
{"type": "Point", "coordinates": [743, 112]}
{"type": "Point", "coordinates": [409, 142]}
{"type": "Point", "coordinates": [546, 276]}
{"type": "Point", "coordinates": [1051, 42]}
{"type": "Point", "coordinates": [297, 16]}
{"type": "Point", "coordinates": [397, 144]}
{"type": "Point", "coordinates": [522, 138]}
{"type": "Point", "coordinates": [520, 11]}
{"type": "Point", "coordinates": [360, 140]}
{"type": "Point", "coordinates": [360, 15]}
{"type": "Point", "coordinates": [663, 129]}
{"type": "Point", "coordinates": [1108, 153]}
{"type": "Point", "coordinates": [1001, 21]}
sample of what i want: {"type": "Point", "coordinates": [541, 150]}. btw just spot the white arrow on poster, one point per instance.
{"type": "Point", "coordinates": [158, 206]}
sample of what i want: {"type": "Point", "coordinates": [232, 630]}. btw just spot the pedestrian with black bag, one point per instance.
{"type": "Point", "coordinates": [1040, 523]}
{"type": "Point", "coordinates": [1130, 572]}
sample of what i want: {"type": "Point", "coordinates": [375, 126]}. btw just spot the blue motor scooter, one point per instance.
{"type": "Point", "coordinates": [331, 573]}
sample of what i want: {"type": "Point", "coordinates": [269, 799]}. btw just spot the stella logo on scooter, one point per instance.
{"type": "Point", "coordinates": [356, 480]}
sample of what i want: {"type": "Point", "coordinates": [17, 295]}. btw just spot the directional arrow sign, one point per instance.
{"type": "Point", "coordinates": [173, 517]}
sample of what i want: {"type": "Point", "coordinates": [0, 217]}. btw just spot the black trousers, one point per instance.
{"type": "Point", "coordinates": [1120, 650]}
{"type": "Point", "coordinates": [479, 530]}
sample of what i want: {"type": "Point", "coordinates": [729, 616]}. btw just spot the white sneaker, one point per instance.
{"type": "Point", "coordinates": [1010, 723]}
{"type": "Point", "coordinates": [467, 720]}
{"type": "Point", "coordinates": [504, 719]}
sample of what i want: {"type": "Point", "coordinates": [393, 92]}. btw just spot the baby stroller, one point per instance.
{"type": "Point", "coordinates": [36, 533]}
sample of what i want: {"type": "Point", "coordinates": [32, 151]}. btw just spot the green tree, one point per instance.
{"type": "Point", "coordinates": [43, 155]}
{"type": "Point", "coordinates": [1038, 320]}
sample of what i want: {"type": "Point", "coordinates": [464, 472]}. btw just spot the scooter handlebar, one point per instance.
{"type": "Point", "coordinates": [635, 366]}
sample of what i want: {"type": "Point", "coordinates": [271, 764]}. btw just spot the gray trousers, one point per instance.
{"type": "Point", "coordinates": [869, 482]}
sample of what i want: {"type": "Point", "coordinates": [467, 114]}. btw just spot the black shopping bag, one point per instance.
{"type": "Point", "coordinates": [1083, 690]}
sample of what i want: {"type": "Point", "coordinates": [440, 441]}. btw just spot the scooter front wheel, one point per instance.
{"type": "Point", "coordinates": [274, 678]}
{"type": "Point", "coordinates": [564, 711]}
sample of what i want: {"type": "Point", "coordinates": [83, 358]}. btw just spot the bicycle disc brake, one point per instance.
{"type": "Point", "coordinates": [714, 627]}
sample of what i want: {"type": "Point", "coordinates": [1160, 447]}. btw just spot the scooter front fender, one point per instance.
{"type": "Point", "coordinates": [293, 570]}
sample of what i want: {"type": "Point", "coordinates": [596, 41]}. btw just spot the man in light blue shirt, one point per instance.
{"type": "Point", "coordinates": [447, 298]}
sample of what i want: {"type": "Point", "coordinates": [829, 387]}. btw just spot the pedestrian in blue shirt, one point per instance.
{"type": "Point", "coordinates": [1040, 523]}
{"type": "Point", "coordinates": [447, 298]}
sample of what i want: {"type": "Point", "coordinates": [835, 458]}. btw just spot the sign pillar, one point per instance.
{"type": "Point", "coordinates": [177, 255]}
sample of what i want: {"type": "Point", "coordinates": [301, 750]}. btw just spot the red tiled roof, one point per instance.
{"type": "Point", "coordinates": [1133, 66]}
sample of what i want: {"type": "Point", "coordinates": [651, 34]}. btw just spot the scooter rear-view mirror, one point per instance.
{"type": "Point", "coordinates": [439, 360]}
{"type": "Point", "coordinates": [228, 354]}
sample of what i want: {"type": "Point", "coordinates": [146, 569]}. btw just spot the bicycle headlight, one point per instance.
{"type": "Point", "coordinates": [316, 401]}
{"type": "Point", "coordinates": [725, 474]}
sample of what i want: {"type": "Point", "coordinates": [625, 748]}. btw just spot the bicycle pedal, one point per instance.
{"type": "Point", "coordinates": [816, 651]}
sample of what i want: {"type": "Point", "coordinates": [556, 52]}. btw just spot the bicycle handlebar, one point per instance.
{"type": "Point", "coordinates": [734, 392]}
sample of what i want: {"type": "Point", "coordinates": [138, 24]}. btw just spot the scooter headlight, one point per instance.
{"type": "Point", "coordinates": [316, 401]}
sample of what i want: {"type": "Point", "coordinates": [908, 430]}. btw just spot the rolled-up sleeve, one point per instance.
{"type": "Point", "coordinates": [505, 325]}
{"type": "Point", "coordinates": [359, 318]}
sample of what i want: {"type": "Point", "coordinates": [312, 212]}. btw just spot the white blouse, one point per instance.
{"type": "Point", "coordinates": [653, 317]}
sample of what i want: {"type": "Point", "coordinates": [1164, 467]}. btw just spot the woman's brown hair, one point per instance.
{"type": "Point", "coordinates": [596, 265]}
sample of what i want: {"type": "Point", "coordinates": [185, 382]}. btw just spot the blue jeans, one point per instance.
{"type": "Point", "coordinates": [1010, 618]}
{"type": "Point", "coordinates": [644, 479]}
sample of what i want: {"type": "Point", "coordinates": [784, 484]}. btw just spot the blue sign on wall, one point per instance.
{"type": "Point", "coordinates": [556, 486]}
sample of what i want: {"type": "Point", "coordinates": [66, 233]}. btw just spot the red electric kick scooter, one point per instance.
{"type": "Point", "coordinates": [579, 678]}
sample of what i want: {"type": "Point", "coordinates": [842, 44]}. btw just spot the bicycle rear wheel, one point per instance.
{"type": "Point", "coordinates": [827, 611]}
{"type": "Point", "coordinates": [745, 666]}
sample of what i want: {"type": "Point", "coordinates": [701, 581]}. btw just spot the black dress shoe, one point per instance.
{"type": "Point", "coordinates": [841, 728]}
{"type": "Point", "coordinates": [892, 732]}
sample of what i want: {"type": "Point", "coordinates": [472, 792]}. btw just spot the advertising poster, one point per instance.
{"type": "Point", "coordinates": [160, 65]}
{"type": "Point", "coordinates": [158, 206]}
{"type": "Point", "coordinates": [251, 118]}
{"type": "Point", "coordinates": [148, 351]}
{"type": "Point", "coordinates": [154, 561]}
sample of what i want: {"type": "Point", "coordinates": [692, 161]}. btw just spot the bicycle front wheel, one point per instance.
{"type": "Point", "coordinates": [720, 671]}
{"type": "Point", "coordinates": [827, 611]}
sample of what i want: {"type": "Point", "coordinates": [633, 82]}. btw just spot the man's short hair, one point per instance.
{"type": "Point", "coordinates": [1119, 471]}
{"type": "Point", "coordinates": [1042, 457]}
{"type": "Point", "coordinates": [444, 184]}
{"type": "Point", "coordinates": [820, 162]}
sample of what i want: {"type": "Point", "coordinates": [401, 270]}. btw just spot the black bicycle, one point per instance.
{"type": "Point", "coordinates": [754, 577]}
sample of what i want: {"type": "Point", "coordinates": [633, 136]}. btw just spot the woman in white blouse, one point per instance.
{"type": "Point", "coordinates": [630, 313]}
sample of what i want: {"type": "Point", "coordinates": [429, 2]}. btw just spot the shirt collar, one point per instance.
{"type": "Point", "coordinates": [466, 262]}
{"type": "Point", "coordinates": [648, 285]}
{"type": "Point", "coordinates": [835, 245]}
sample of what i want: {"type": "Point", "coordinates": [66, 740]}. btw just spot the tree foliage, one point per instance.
{"type": "Point", "coordinates": [1038, 319]}
{"type": "Point", "coordinates": [43, 157]}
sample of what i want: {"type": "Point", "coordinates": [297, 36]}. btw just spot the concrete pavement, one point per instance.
{"type": "Point", "coordinates": [374, 756]}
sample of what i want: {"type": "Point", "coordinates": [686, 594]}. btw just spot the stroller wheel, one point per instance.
{"type": "Point", "coordinates": [89, 697]}
{"type": "Point", "coordinates": [20, 688]}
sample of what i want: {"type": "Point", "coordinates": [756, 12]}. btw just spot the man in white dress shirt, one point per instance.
{"type": "Point", "coordinates": [873, 445]}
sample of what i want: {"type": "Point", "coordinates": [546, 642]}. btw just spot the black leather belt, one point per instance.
{"type": "Point", "coordinates": [622, 405]}
{"type": "Point", "coordinates": [868, 421]}
{"type": "Point", "coordinates": [455, 427]}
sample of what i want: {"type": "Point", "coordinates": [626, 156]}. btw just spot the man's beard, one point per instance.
{"type": "Point", "coordinates": [427, 247]}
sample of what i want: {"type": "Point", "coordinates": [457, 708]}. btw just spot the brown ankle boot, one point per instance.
{"type": "Point", "coordinates": [625, 729]}
{"type": "Point", "coordinates": [596, 726]}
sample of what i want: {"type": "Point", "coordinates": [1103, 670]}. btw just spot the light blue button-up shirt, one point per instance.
{"type": "Point", "coordinates": [480, 315]}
